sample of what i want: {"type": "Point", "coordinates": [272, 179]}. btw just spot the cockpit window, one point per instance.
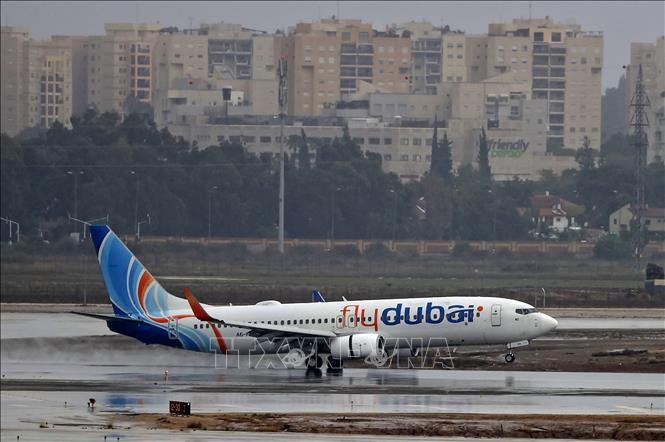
{"type": "Point", "coordinates": [525, 311]}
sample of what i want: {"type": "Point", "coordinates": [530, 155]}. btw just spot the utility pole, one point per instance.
{"type": "Point", "coordinates": [136, 198]}
{"type": "Point", "coordinates": [18, 229]}
{"type": "Point", "coordinates": [210, 191]}
{"type": "Point", "coordinates": [639, 122]}
{"type": "Point", "coordinates": [282, 102]}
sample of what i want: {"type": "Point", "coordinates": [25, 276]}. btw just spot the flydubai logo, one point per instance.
{"type": "Point", "coordinates": [430, 313]}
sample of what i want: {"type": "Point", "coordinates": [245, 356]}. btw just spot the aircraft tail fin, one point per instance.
{"type": "Point", "coordinates": [317, 296]}
{"type": "Point", "coordinates": [134, 292]}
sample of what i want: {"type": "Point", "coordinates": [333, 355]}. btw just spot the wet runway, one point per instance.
{"type": "Point", "coordinates": [52, 359]}
{"type": "Point", "coordinates": [27, 325]}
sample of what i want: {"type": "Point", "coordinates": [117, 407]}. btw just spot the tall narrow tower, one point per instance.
{"type": "Point", "coordinates": [639, 122]}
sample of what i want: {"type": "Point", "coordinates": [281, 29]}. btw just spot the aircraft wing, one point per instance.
{"type": "Point", "coordinates": [257, 330]}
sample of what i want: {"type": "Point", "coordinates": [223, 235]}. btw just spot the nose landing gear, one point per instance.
{"type": "Point", "coordinates": [510, 357]}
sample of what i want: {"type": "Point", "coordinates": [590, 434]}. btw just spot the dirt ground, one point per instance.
{"type": "Point", "coordinates": [617, 427]}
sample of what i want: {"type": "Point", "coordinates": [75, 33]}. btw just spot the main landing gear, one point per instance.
{"type": "Point", "coordinates": [510, 357]}
{"type": "Point", "coordinates": [335, 366]}
{"type": "Point", "coordinates": [314, 364]}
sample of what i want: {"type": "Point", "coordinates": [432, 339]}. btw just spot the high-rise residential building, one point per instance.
{"type": "Point", "coordinates": [563, 65]}
{"type": "Point", "coordinates": [327, 60]}
{"type": "Point", "coordinates": [192, 69]}
{"type": "Point", "coordinates": [121, 65]}
{"type": "Point", "coordinates": [36, 81]}
{"type": "Point", "coordinates": [652, 58]}
{"type": "Point", "coordinates": [437, 54]}
{"type": "Point", "coordinates": [15, 60]}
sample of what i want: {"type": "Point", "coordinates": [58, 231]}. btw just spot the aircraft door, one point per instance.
{"type": "Point", "coordinates": [351, 321]}
{"type": "Point", "coordinates": [496, 315]}
{"type": "Point", "coordinates": [173, 328]}
{"type": "Point", "coordinates": [339, 321]}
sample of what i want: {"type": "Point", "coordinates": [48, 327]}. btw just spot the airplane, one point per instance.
{"type": "Point", "coordinates": [368, 329]}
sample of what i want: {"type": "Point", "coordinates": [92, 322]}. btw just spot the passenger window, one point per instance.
{"type": "Point", "coordinates": [301, 322]}
{"type": "Point", "coordinates": [282, 322]}
{"type": "Point", "coordinates": [196, 326]}
{"type": "Point", "coordinates": [207, 325]}
{"type": "Point", "coordinates": [306, 321]}
{"type": "Point", "coordinates": [288, 322]}
{"type": "Point", "coordinates": [325, 320]}
{"type": "Point", "coordinates": [339, 319]}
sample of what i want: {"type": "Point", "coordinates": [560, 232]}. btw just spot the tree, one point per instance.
{"type": "Point", "coordinates": [442, 163]}
{"type": "Point", "coordinates": [303, 151]}
{"type": "Point", "coordinates": [483, 156]}
{"type": "Point", "coordinates": [585, 156]}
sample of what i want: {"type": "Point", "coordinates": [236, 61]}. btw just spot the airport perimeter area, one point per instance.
{"type": "Point", "coordinates": [599, 376]}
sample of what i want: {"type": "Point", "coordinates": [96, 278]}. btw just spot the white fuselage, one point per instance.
{"type": "Point", "coordinates": [431, 322]}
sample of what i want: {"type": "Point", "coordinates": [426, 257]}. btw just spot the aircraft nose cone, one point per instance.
{"type": "Point", "coordinates": [550, 323]}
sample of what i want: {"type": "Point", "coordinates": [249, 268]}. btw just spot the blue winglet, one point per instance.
{"type": "Point", "coordinates": [317, 296]}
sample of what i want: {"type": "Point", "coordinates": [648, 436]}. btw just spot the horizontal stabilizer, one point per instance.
{"type": "Point", "coordinates": [107, 318]}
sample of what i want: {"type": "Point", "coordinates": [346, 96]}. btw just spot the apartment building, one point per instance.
{"type": "Point", "coordinates": [36, 81]}
{"type": "Point", "coordinates": [437, 54]}
{"type": "Point", "coordinates": [561, 63]}
{"type": "Point", "coordinates": [328, 59]}
{"type": "Point", "coordinates": [121, 64]}
{"type": "Point", "coordinates": [652, 58]}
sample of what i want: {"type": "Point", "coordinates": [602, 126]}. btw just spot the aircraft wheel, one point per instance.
{"type": "Point", "coordinates": [314, 362]}
{"type": "Point", "coordinates": [311, 371]}
{"type": "Point", "coordinates": [335, 366]}
{"type": "Point", "coordinates": [510, 358]}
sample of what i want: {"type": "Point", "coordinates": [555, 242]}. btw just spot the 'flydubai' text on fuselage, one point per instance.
{"type": "Point", "coordinates": [409, 315]}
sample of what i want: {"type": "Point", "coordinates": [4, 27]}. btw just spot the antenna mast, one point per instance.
{"type": "Point", "coordinates": [639, 122]}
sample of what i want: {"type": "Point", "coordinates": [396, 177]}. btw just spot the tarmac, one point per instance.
{"type": "Point", "coordinates": [52, 364]}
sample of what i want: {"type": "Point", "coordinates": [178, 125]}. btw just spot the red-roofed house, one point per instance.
{"type": "Point", "coordinates": [555, 212]}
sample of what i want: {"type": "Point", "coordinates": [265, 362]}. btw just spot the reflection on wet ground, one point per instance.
{"type": "Point", "coordinates": [51, 380]}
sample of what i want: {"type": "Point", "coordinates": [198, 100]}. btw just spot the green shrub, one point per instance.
{"type": "Point", "coordinates": [347, 251]}
{"type": "Point", "coordinates": [377, 250]}
{"type": "Point", "coordinates": [612, 247]}
{"type": "Point", "coordinates": [462, 249]}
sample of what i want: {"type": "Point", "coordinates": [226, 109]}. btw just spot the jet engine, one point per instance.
{"type": "Point", "coordinates": [357, 346]}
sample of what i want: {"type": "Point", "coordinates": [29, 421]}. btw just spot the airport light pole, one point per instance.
{"type": "Point", "coordinates": [394, 212]}
{"type": "Point", "coordinates": [332, 214]}
{"type": "Point", "coordinates": [136, 198]}
{"type": "Point", "coordinates": [76, 174]}
{"type": "Point", "coordinates": [18, 229]}
{"type": "Point", "coordinates": [210, 191]}
{"type": "Point", "coordinates": [138, 227]}
{"type": "Point", "coordinates": [281, 70]}
{"type": "Point", "coordinates": [87, 223]}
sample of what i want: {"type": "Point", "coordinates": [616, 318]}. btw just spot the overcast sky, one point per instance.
{"type": "Point", "coordinates": [621, 22]}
